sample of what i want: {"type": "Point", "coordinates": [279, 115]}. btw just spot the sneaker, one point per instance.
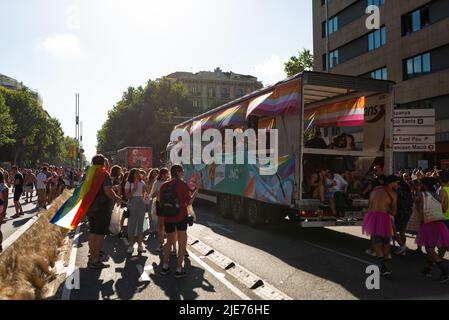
{"type": "Point", "coordinates": [385, 272]}
{"type": "Point", "coordinates": [370, 253]}
{"type": "Point", "coordinates": [401, 251]}
{"type": "Point", "coordinates": [17, 215]}
{"type": "Point", "coordinates": [130, 250]}
{"type": "Point", "coordinates": [179, 275]}
{"type": "Point", "coordinates": [165, 272]}
{"type": "Point", "coordinates": [97, 265]}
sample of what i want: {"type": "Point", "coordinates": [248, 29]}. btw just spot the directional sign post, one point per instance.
{"type": "Point", "coordinates": [414, 130]}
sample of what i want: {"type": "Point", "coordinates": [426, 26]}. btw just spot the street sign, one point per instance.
{"type": "Point", "coordinates": [414, 139]}
{"type": "Point", "coordinates": [414, 113]}
{"type": "Point", "coordinates": [411, 131]}
{"type": "Point", "coordinates": [414, 148]}
{"type": "Point", "coordinates": [413, 122]}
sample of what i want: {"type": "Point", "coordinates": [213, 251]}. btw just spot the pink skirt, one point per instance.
{"type": "Point", "coordinates": [433, 234]}
{"type": "Point", "coordinates": [377, 224]}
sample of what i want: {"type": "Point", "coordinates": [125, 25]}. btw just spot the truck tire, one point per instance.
{"type": "Point", "coordinates": [238, 209]}
{"type": "Point", "coordinates": [255, 214]}
{"type": "Point", "coordinates": [224, 206]}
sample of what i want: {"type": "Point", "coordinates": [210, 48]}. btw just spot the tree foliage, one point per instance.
{"type": "Point", "coordinates": [28, 135]}
{"type": "Point", "coordinates": [143, 117]}
{"type": "Point", "coordinates": [303, 62]}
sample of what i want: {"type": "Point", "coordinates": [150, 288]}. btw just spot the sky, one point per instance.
{"type": "Point", "coordinates": [99, 48]}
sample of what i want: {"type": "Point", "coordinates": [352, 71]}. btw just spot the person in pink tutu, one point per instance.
{"type": "Point", "coordinates": [433, 232]}
{"type": "Point", "coordinates": [378, 223]}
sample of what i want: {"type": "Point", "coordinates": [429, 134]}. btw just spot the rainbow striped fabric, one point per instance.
{"type": "Point", "coordinates": [71, 213]}
{"type": "Point", "coordinates": [231, 117]}
{"type": "Point", "coordinates": [283, 100]}
{"type": "Point", "coordinates": [350, 113]}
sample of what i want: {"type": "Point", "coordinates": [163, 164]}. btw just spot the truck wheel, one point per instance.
{"type": "Point", "coordinates": [238, 209]}
{"type": "Point", "coordinates": [255, 214]}
{"type": "Point", "coordinates": [224, 206]}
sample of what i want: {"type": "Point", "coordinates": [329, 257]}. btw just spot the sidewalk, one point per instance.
{"type": "Point", "coordinates": [138, 278]}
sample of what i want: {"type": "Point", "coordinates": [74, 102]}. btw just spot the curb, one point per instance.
{"type": "Point", "coordinates": [250, 280]}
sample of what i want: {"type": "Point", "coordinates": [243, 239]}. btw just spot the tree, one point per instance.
{"type": "Point", "coordinates": [7, 127]}
{"type": "Point", "coordinates": [28, 135]}
{"type": "Point", "coordinates": [303, 62]}
{"type": "Point", "coordinates": [143, 116]}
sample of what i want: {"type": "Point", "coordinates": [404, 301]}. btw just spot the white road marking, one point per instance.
{"type": "Point", "coordinates": [339, 253]}
{"type": "Point", "coordinates": [143, 273]}
{"type": "Point", "coordinates": [72, 263]}
{"type": "Point", "coordinates": [219, 276]}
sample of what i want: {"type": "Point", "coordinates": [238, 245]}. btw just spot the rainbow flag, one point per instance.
{"type": "Point", "coordinates": [235, 116]}
{"type": "Point", "coordinates": [349, 113]}
{"type": "Point", "coordinates": [284, 99]}
{"type": "Point", "coordinates": [71, 213]}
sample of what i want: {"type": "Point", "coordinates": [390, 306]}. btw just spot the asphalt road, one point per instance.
{"type": "Point", "coordinates": [11, 225]}
{"type": "Point", "coordinates": [323, 263]}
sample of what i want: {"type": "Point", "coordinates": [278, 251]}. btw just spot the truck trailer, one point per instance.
{"type": "Point", "coordinates": [135, 157]}
{"type": "Point", "coordinates": [298, 107]}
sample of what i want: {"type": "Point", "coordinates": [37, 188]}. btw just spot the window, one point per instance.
{"type": "Point", "coordinates": [333, 26]}
{"type": "Point", "coordinates": [375, 3]}
{"type": "Point", "coordinates": [334, 58]}
{"type": "Point", "coordinates": [380, 74]}
{"type": "Point", "coordinates": [225, 93]}
{"type": "Point", "coordinates": [195, 103]}
{"type": "Point", "coordinates": [415, 21]}
{"type": "Point", "coordinates": [377, 39]}
{"type": "Point", "coordinates": [195, 91]}
{"type": "Point", "coordinates": [239, 92]}
{"type": "Point", "coordinates": [211, 92]}
{"type": "Point", "coordinates": [324, 62]}
{"type": "Point", "coordinates": [417, 66]}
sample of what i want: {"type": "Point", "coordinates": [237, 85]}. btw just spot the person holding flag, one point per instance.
{"type": "Point", "coordinates": [94, 198]}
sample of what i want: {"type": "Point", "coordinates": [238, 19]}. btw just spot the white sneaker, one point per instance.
{"type": "Point", "coordinates": [370, 253]}
{"type": "Point", "coordinates": [130, 249]}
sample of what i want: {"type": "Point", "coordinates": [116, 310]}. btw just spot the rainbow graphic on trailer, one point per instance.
{"type": "Point", "coordinates": [71, 213]}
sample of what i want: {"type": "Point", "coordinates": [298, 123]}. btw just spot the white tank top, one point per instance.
{"type": "Point", "coordinates": [130, 186]}
{"type": "Point", "coordinates": [432, 209]}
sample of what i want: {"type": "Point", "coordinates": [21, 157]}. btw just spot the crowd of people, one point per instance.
{"type": "Point", "coordinates": [142, 193]}
{"type": "Point", "coordinates": [46, 182]}
{"type": "Point", "coordinates": [412, 201]}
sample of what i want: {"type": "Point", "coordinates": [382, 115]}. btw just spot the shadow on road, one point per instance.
{"type": "Point", "coordinates": [292, 244]}
{"type": "Point", "coordinates": [182, 289]}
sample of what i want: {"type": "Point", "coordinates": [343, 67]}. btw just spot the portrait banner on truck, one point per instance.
{"type": "Point", "coordinates": [245, 180]}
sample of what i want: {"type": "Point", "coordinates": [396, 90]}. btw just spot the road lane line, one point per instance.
{"type": "Point", "coordinates": [219, 276]}
{"type": "Point", "coordinates": [339, 253]}
{"type": "Point", "coordinates": [72, 263]}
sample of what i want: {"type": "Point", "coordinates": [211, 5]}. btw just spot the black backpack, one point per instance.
{"type": "Point", "coordinates": [169, 204]}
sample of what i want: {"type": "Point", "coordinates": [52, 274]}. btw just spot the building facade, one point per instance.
{"type": "Point", "coordinates": [411, 47]}
{"type": "Point", "coordinates": [13, 84]}
{"type": "Point", "coordinates": [208, 90]}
